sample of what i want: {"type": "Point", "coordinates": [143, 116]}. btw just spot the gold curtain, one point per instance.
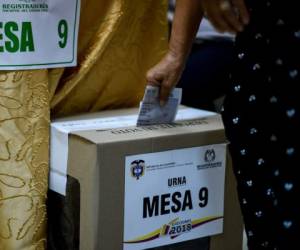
{"type": "Point", "coordinates": [118, 41]}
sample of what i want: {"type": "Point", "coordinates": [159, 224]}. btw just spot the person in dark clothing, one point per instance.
{"type": "Point", "coordinates": [261, 108]}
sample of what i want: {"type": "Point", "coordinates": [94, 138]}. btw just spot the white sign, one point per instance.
{"type": "Point", "coordinates": [37, 34]}
{"type": "Point", "coordinates": [174, 196]}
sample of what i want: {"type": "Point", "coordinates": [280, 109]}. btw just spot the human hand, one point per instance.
{"type": "Point", "coordinates": [166, 74]}
{"type": "Point", "coordinates": [226, 15]}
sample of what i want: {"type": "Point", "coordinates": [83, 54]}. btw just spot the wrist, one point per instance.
{"type": "Point", "coordinates": [177, 57]}
{"type": "Point", "coordinates": [179, 51]}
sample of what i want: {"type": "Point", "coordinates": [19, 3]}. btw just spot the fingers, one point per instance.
{"type": "Point", "coordinates": [242, 10]}
{"type": "Point", "coordinates": [216, 18]}
{"type": "Point", "coordinates": [163, 81]}
{"type": "Point", "coordinates": [233, 23]}
{"type": "Point", "coordinates": [214, 15]}
{"type": "Point", "coordinates": [165, 75]}
{"type": "Point", "coordinates": [225, 15]}
{"type": "Point", "coordinates": [157, 79]}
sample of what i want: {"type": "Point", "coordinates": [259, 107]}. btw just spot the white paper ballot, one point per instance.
{"type": "Point", "coordinates": [152, 113]}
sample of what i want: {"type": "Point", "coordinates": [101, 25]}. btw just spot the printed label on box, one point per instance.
{"type": "Point", "coordinates": [174, 196]}
{"type": "Point", "coordinates": [36, 34]}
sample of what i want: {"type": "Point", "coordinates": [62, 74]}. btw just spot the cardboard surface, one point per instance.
{"type": "Point", "coordinates": [96, 161]}
{"type": "Point", "coordinates": [61, 128]}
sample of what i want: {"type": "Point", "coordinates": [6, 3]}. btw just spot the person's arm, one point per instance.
{"type": "Point", "coordinates": [166, 73]}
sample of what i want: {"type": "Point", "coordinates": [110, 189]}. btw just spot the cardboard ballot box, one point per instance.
{"type": "Point", "coordinates": [117, 186]}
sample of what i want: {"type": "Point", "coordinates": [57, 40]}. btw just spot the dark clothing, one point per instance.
{"type": "Point", "coordinates": [262, 120]}
{"type": "Point", "coordinates": [205, 77]}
